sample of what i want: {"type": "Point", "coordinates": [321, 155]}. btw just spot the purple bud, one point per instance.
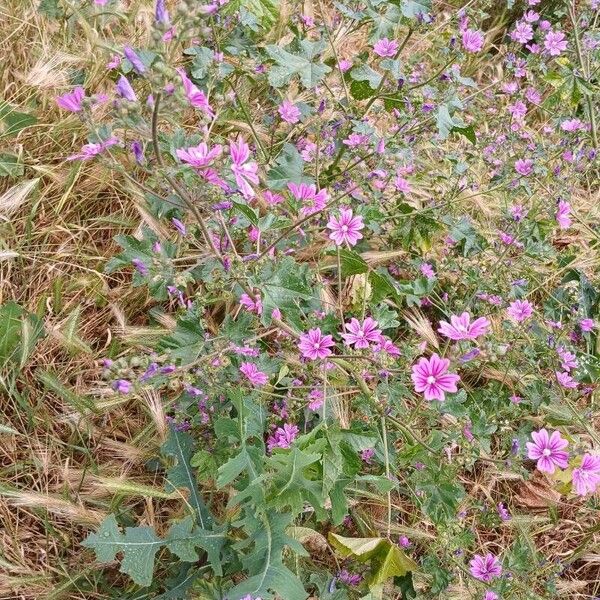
{"type": "Point", "coordinates": [161, 14]}
{"type": "Point", "coordinates": [134, 59]}
{"type": "Point", "coordinates": [125, 90]}
{"type": "Point", "coordinates": [138, 151]}
{"type": "Point", "coordinates": [141, 268]}
{"type": "Point", "coordinates": [122, 386]}
{"type": "Point", "coordinates": [179, 226]}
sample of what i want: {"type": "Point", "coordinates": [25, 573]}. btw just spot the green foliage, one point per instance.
{"type": "Point", "coordinates": [304, 64]}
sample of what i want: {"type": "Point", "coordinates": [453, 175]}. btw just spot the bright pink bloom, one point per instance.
{"type": "Point", "coordinates": [490, 595]}
{"type": "Point", "coordinates": [485, 568]}
{"type": "Point", "coordinates": [562, 214]}
{"type": "Point", "coordinates": [587, 477]}
{"type": "Point", "coordinates": [345, 228]}
{"type": "Point", "coordinates": [520, 310]}
{"type": "Point", "coordinates": [316, 398]}
{"type": "Point", "coordinates": [472, 41]}
{"type": "Point", "coordinates": [386, 345]}
{"type": "Point", "coordinates": [430, 376]}
{"type": "Point", "coordinates": [312, 201]}
{"type": "Point", "coordinates": [72, 100]}
{"type": "Point", "coordinates": [386, 48]}
{"type": "Point", "coordinates": [289, 112]}
{"type": "Point", "coordinates": [314, 344]}
{"type": "Point", "coordinates": [361, 334]}
{"type": "Point", "coordinates": [565, 380]}
{"type": "Point", "coordinates": [555, 42]}
{"type": "Point", "coordinates": [254, 376]}
{"type": "Point", "coordinates": [461, 328]}
{"type": "Point", "coordinates": [244, 172]}
{"type": "Point", "coordinates": [199, 156]}
{"type": "Point", "coordinates": [195, 96]}
{"type": "Point", "coordinates": [548, 451]}
{"type": "Point", "coordinates": [427, 270]}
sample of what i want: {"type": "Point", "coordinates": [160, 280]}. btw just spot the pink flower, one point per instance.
{"type": "Point", "coordinates": [386, 345]}
{"type": "Point", "coordinates": [196, 97]}
{"type": "Point", "coordinates": [244, 172]}
{"type": "Point", "coordinates": [316, 398]}
{"type": "Point", "coordinates": [254, 376]}
{"type": "Point", "coordinates": [88, 151]}
{"type": "Point", "coordinates": [524, 166]}
{"type": "Point", "coordinates": [345, 65]}
{"type": "Point", "coordinates": [345, 228]}
{"type": "Point", "coordinates": [72, 100]}
{"type": "Point", "coordinates": [283, 437]}
{"type": "Point", "coordinates": [198, 156]}
{"type": "Point", "coordinates": [562, 214]}
{"type": "Point", "coordinates": [548, 450]}
{"type": "Point", "coordinates": [555, 42]}
{"type": "Point", "coordinates": [490, 595]}
{"type": "Point", "coordinates": [522, 33]}
{"type": "Point", "coordinates": [314, 344]}
{"type": "Point", "coordinates": [427, 270]}
{"type": "Point", "coordinates": [571, 125]}
{"type": "Point", "coordinates": [565, 380]}
{"type": "Point", "coordinates": [250, 304]}
{"type": "Point", "coordinates": [520, 310]}
{"type": "Point", "coordinates": [289, 112]}
{"type": "Point", "coordinates": [485, 568]}
{"type": "Point", "coordinates": [587, 325]}
{"type": "Point", "coordinates": [461, 328]}
{"type": "Point", "coordinates": [472, 41]}
{"type": "Point", "coordinates": [362, 334]}
{"type": "Point", "coordinates": [386, 48]}
{"type": "Point", "coordinates": [531, 16]}
{"type": "Point", "coordinates": [587, 477]}
{"type": "Point", "coordinates": [430, 375]}
{"type": "Point", "coordinates": [272, 198]}
{"type": "Point", "coordinates": [312, 201]}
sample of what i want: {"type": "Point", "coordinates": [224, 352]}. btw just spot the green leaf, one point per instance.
{"type": "Point", "coordinates": [351, 262]}
{"type": "Point", "coordinates": [180, 446]}
{"type": "Point", "coordinates": [303, 64]}
{"type": "Point", "coordinates": [248, 212]}
{"type": "Point", "coordinates": [10, 165]}
{"type": "Point", "coordinates": [289, 168]}
{"type": "Point", "coordinates": [266, 12]}
{"type": "Point", "coordinates": [361, 90]}
{"type": "Point", "coordinates": [50, 380]}
{"type": "Point", "coordinates": [19, 332]}
{"type": "Point", "coordinates": [413, 8]}
{"type": "Point", "coordinates": [366, 73]}
{"type": "Point", "coordinates": [139, 546]}
{"type": "Point", "coordinates": [50, 9]}
{"type": "Point", "coordinates": [13, 121]}
{"type": "Point", "coordinates": [283, 284]}
{"type": "Point", "coordinates": [387, 560]}
{"type": "Point", "coordinates": [467, 132]}
{"type": "Point", "coordinates": [382, 286]}
{"type": "Point", "coordinates": [185, 343]}
{"type": "Point", "coordinates": [263, 559]}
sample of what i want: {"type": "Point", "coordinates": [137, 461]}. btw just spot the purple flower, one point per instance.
{"type": "Point", "coordinates": [345, 228]}
{"type": "Point", "coordinates": [72, 100]}
{"type": "Point", "coordinates": [179, 226]}
{"type": "Point", "coordinates": [485, 568]}
{"type": "Point", "coordinates": [555, 42]}
{"type": "Point", "coordinates": [289, 112]}
{"type": "Point", "coordinates": [386, 48]}
{"type": "Point", "coordinates": [427, 270]}
{"type": "Point", "coordinates": [404, 542]}
{"type": "Point", "coordinates": [199, 156]}
{"type": "Point", "coordinates": [361, 334]}
{"type": "Point", "coordinates": [244, 172]}
{"type": "Point", "coordinates": [587, 477]}
{"type": "Point", "coordinates": [125, 90]}
{"type": "Point", "coordinates": [316, 398]}
{"type": "Point", "coordinates": [472, 40]}
{"type": "Point", "coordinates": [349, 578]}
{"type": "Point", "coordinates": [161, 15]}
{"type": "Point", "coordinates": [503, 512]}
{"type": "Point", "coordinates": [314, 345]}
{"type": "Point", "coordinates": [571, 125]}
{"type": "Point", "coordinates": [562, 214]}
{"type": "Point", "coordinates": [134, 59]}
{"type": "Point", "coordinates": [461, 328]}
{"type": "Point", "coordinates": [565, 380]}
{"type": "Point", "coordinates": [522, 33]}
{"type": "Point", "coordinates": [138, 151]}
{"type": "Point", "coordinates": [548, 450]}
{"type": "Point", "coordinates": [367, 455]}
{"type": "Point", "coordinates": [490, 595]}
{"type": "Point", "coordinates": [122, 386]}
{"type": "Point", "coordinates": [88, 151]}
{"type": "Point", "coordinates": [140, 267]}
{"type": "Point", "coordinates": [520, 310]}
{"type": "Point", "coordinates": [524, 166]}
{"type": "Point", "coordinates": [283, 437]}
{"type": "Point", "coordinates": [430, 376]}
{"type": "Point", "coordinates": [254, 376]}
